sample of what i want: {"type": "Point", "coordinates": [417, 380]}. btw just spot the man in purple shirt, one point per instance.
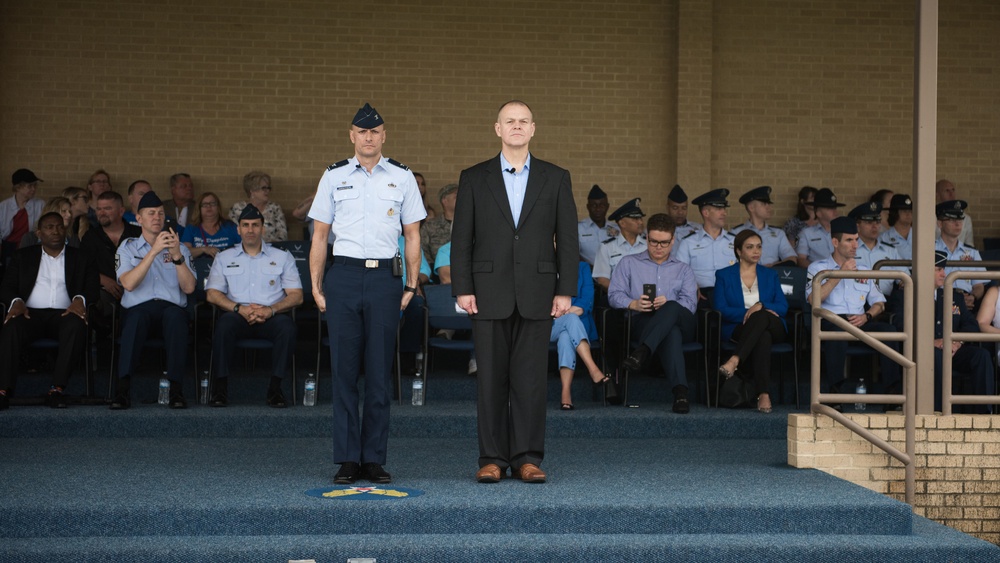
{"type": "Point", "coordinates": [666, 321]}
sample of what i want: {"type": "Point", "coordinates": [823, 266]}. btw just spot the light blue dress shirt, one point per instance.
{"type": "Point", "coordinates": [515, 184]}
{"type": "Point", "coordinates": [774, 243]}
{"type": "Point", "coordinates": [260, 279]}
{"type": "Point", "coordinates": [161, 279]}
{"type": "Point", "coordinates": [850, 296]}
{"type": "Point", "coordinates": [674, 279]}
{"type": "Point", "coordinates": [706, 255]}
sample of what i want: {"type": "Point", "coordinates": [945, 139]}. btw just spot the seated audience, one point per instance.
{"type": "Point", "coordinates": [422, 187]}
{"type": "Point", "coordinates": [98, 183]}
{"type": "Point", "coordinates": [950, 220]}
{"type": "Point", "coordinates": [814, 242]}
{"type": "Point", "coordinates": [884, 199]}
{"type": "Point", "coordinates": [944, 190]}
{"type": "Point", "coordinates": [79, 207]}
{"type": "Point", "coordinates": [257, 186]}
{"type": "Point", "coordinates": [677, 209]}
{"type": "Point", "coordinates": [711, 248]}
{"type": "Point", "coordinates": [46, 290]}
{"type": "Point", "coordinates": [573, 333]}
{"type": "Point", "coordinates": [181, 199]}
{"type": "Point", "coordinates": [437, 230]}
{"type": "Point", "coordinates": [58, 205]}
{"type": "Point", "coordinates": [760, 209]}
{"type": "Point", "coordinates": [156, 274]}
{"type": "Point", "coordinates": [595, 229]}
{"type": "Point", "coordinates": [753, 309]}
{"type": "Point", "coordinates": [900, 233]}
{"type": "Point", "coordinates": [101, 242]}
{"type": "Point", "coordinates": [805, 215]}
{"type": "Point", "coordinates": [136, 190]}
{"type": "Point", "coordinates": [630, 240]}
{"type": "Point", "coordinates": [20, 212]}
{"type": "Point", "coordinates": [847, 298]}
{"type": "Point", "coordinates": [660, 325]}
{"type": "Point", "coordinates": [208, 232]}
{"type": "Point", "coordinates": [255, 285]}
{"type": "Point", "coordinates": [871, 250]}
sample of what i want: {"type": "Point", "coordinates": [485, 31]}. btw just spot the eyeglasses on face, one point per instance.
{"type": "Point", "coordinates": [659, 243]}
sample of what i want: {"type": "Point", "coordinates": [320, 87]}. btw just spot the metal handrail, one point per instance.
{"type": "Point", "coordinates": [851, 332]}
{"type": "Point", "coordinates": [947, 336]}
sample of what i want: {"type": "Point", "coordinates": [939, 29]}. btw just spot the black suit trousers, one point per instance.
{"type": "Point", "coordinates": [69, 330]}
{"type": "Point", "coordinates": [753, 343]}
{"type": "Point", "coordinates": [512, 356]}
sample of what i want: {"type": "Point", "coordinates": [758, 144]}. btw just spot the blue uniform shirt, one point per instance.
{"type": "Point", "coordinates": [868, 257]}
{"type": "Point", "coordinates": [774, 243]}
{"type": "Point", "coordinates": [961, 252]}
{"type": "Point", "coordinates": [366, 211]}
{"type": "Point", "coordinates": [903, 245]}
{"type": "Point", "coordinates": [612, 251]}
{"type": "Point", "coordinates": [681, 231]}
{"type": "Point", "coordinates": [815, 243]}
{"type": "Point", "coordinates": [850, 296]}
{"type": "Point", "coordinates": [161, 279]}
{"type": "Point", "coordinates": [706, 255]}
{"type": "Point", "coordinates": [674, 279]}
{"type": "Point", "coordinates": [260, 279]}
{"type": "Point", "coordinates": [591, 236]}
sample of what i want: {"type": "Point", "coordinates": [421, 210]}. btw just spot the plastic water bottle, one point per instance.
{"type": "Point", "coordinates": [309, 397]}
{"type": "Point", "coordinates": [203, 388]}
{"type": "Point", "coordinates": [164, 397]}
{"type": "Point", "coordinates": [418, 390]}
{"type": "Point", "coordinates": [860, 390]}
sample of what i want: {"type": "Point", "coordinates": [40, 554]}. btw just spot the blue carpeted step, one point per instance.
{"type": "Point", "coordinates": [930, 543]}
{"type": "Point", "coordinates": [435, 419]}
{"type": "Point", "coordinates": [144, 487]}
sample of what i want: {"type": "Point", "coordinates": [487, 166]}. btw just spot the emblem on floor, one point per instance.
{"type": "Point", "coordinates": [363, 493]}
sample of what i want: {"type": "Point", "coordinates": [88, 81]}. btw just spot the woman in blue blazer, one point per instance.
{"type": "Point", "coordinates": [753, 310]}
{"type": "Point", "coordinates": [572, 334]}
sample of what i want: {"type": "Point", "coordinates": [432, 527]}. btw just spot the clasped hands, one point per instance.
{"type": "Point", "coordinates": [254, 313]}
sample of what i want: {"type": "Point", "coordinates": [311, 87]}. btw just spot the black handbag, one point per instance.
{"type": "Point", "coordinates": [735, 392]}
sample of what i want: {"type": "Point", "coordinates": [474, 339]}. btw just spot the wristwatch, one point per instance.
{"type": "Point", "coordinates": [236, 308]}
{"type": "Point", "coordinates": [412, 290]}
{"type": "Point", "coordinates": [869, 316]}
{"type": "Point", "coordinates": [179, 261]}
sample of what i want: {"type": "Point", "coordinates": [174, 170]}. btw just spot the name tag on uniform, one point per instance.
{"type": "Point", "coordinates": [344, 188]}
{"type": "Point", "coordinates": [587, 235]}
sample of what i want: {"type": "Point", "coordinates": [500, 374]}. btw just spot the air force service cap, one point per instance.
{"type": "Point", "coordinates": [677, 194]}
{"type": "Point", "coordinates": [367, 118]}
{"type": "Point", "coordinates": [867, 211]}
{"type": "Point", "coordinates": [954, 209]}
{"type": "Point", "coordinates": [714, 198]}
{"type": "Point", "coordinates": [250, 213]}
{"type": "Point", "coordinates": [630, 209]}
{"type": "Point", "coordinates": [596, 193]}
{"type": "Point", "coordinates": [149, 199]}
{"type": "Point", "coordinates": [762, 193]}
{"type": "Point", "coordinates": [844, 225]}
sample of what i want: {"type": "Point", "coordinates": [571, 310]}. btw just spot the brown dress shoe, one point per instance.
{"type": "Point", "coordinates": [530, 473]}
{"type": "Point", "coordinates": [489, 473]}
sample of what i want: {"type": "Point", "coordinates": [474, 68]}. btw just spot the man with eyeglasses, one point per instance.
{"type": "Point", "coordinates": [711, 248]}
{"type": "Point", "coordinates": [665, 319]}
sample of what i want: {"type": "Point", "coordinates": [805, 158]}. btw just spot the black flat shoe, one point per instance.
{"type": "Point", "coordinates": [682, 406]}
{"type": "Point", "coordinates": [276, 399]}
{"type": "Point", "coordinates": [348, 473]}
{"type": "Point", "coordinates": [566, 406]}
{"type": "Point", "coordinates": [121, 402]}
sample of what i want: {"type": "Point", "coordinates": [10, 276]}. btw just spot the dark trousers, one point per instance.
{"type": "Point", "coordinates": [172, 323]}
{"type": "Point", "coordinates": [69, 330]}
{"type": "Point", "coordinates": [411, 334]}
{"type": "Point", "coordinates": [753, 345]}
{"type": "Point", "coordinates": [512, 357]}
{"type": "Point", "coordinates": [664, 332]}
{"type": "Point", "coordinates": [230, 327]}
{"type": "Point", "coordinates": [362, 315]}
{"type": "Point", "coordinates": [971, 360]}
{"type": "Point", "coordinates": [835, 358]}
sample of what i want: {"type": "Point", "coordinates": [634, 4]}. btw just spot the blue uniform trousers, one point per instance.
{"type": "Point", "coordinates": [230, 327]}
{"type": "Point", "coordinates": [664, 332]}
{"type": "Point", "coordinates": [971, 360]}
{"type": "Point", "coordinates": [835, 358]}
{"type": "Point", "coordinates": [362, 315]}
{"type": "Point", "coordinates": [172, 321]}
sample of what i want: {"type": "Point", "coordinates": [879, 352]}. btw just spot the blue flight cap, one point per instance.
{"type": "Point", "coordinates": [596, 193]}
{"type": "Point", "coordinates": [250, 213]}
{"type": "Point", "coordinates": [149, 199]}
{"type": "Point", "coordinates": [367, 118]}
{"type": "Point", "coordinates": [844, 225]}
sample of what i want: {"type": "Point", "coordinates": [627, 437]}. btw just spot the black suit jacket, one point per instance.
{"type": "Point", "coordinates": [504, 266]}
{"type": "Point", "coordinates": [22, 274]}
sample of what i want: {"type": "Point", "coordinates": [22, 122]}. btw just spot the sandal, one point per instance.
{"type": "Point", "coordinates": [765, 410]}
{"type": "Point", "coordinates": [567, 407]}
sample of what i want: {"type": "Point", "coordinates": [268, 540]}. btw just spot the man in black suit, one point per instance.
{"type": "Point", "coordinates": [512, 280]}
{"type": "Point", "coordinates": [46, 290]}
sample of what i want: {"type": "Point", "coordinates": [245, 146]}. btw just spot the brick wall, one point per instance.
{"type": "Point", "coordinates": [957, 463]}
{"type": "Point", "coordinates": [634, 95]}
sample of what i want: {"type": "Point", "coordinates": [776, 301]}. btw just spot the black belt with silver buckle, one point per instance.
{"type": "Point", "coordinates": [363, 262]}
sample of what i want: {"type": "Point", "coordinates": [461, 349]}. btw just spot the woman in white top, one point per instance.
{"type": "Point", "coordinates": [753, 310]}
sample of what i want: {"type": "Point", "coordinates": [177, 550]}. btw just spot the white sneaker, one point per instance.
{"type": "Point", "coordinates": [472, 367]}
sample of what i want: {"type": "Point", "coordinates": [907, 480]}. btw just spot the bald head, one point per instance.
{"type": "Point", "coordinates": [944, 190]}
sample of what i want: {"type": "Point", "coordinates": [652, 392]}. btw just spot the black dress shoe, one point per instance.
{"type": "Point", "coordinates": [637, 358]}
{"type": "Point", "coordinates": [121, 401]}
{"type": "Point", "coordinates": [177, 401]}
{"type": "Point", "coordinates": [56, 400]}
{"type": "Point", "coordinates": [374, 473]}
{"type": "Point", "coordinates": [218, 400]}
{"type": "Point", "coordinates": [348, 474]}
{"type": "Point", "coordinates": [682, 405]}
{"type": "Point", "coordinates": [276, 399]}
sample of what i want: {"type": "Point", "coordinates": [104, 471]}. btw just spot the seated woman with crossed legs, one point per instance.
{"type": "Point", "coordinates": [753, 309]}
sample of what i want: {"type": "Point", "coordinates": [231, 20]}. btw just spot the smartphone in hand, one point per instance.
{"type": "Point", "coordinates": [649, 290]}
